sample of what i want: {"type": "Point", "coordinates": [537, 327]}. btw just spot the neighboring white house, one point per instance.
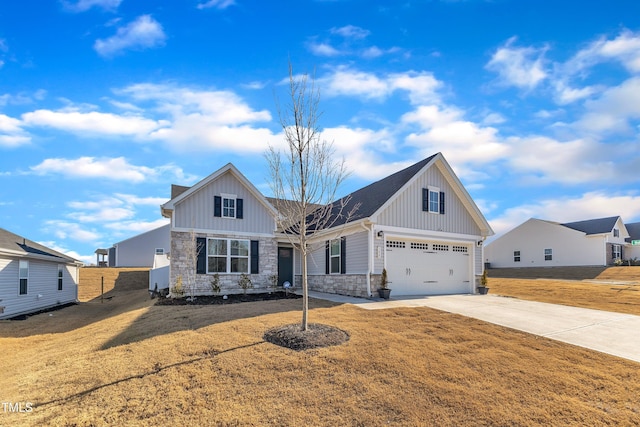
{"type": "Point", "coordinates": [633, 251]}
{"type": "Point", "coordinates": [139, 251]}
{"type": "Point", "coordinates": [34, 277]}
{"type": "Point", "coordinates": [419, 223]}
{"type": "Point", "coordinates": [539, 243]}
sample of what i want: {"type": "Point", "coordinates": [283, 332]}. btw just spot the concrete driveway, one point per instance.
{"type": "Point", "coordinates": [612, 333]}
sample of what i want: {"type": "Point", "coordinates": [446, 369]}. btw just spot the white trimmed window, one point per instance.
{"type": "Point", "coordinates": [548, 254]}
{"type": "Point", "coordinates": [228, 256]}
{"type": "Point", "coordinates": [159, 251]}
{"type": "Point", "coordinates": [228, 207]}
{"type": "Point", "coordinates": [516, 256]}
{"type": "Point", "coordinates": [434, 200]}
{"type": "Point", "coordinates": [617, 252]}
{"type": "Point", "coordinates": [23, 277]}
{"type": "Point", "coordinates": [335, 254]}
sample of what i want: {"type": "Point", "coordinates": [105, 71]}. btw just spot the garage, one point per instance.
{"type": "Point", "coordinates": [420, 267]}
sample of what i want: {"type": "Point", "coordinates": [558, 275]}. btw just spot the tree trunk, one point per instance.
{"type": "Point", "coordinates": [305, 292]}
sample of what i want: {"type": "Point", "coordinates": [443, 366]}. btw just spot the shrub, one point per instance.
{"type": "Point", "coordinates": [215, 284]}
{"type": "Point", "coordinates": [245, 282]}
{"type": "Point", "coordinates": [178, 290]}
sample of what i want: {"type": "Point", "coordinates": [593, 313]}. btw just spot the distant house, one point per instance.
{"type": "Point", "coordinates": [34, 277]}
{"type": "Point", "coordinates": [633, 251]}
{"type": "Point", "coordinates": [540, 243]}
{"type": "Point", "coordinates": [140, 250]}
{"type": "Point", "coordinates": [419, 223]}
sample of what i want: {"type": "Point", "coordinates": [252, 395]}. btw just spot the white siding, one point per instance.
{"type": "Point", "coordinates": [196, 211]}
{"type": "Point", "coordinates": [139, 251]}
{"type": "Point", "coordinates": [570, 247]}
{"type": "Point", "coordinates": [406, 210]}
{"type": "Point", "coordinates": [42, 288]}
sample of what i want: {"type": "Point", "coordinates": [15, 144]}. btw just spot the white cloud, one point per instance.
{"type": "Point", "coordinates": [93, 122]}
{"type": "Point", "coordinates": [343, 81]}
{"type": "Point", "coordinates": [461, 141]}
{"type": "Point", "coordinates": [87, 259]}
{"type": "Point", "coordinates": [545, 160]}
{"type": "Point", "coordinates": [521, 67]}
{"type": "Point", "coordinates": [84, 5]}
{"type": "Point", "coordinates": [612, 111]}
{"type": "Point", "coordinates": [73, 231]}
{"type": "Point", "coordinates": [11, 132]}
{"type": "Point", "coordinates": [324, 49]}
{"type": "Point", "coordinates": [351, 32]}
{"type": "Point", "coordinates": [143, 33]}
{"type": "Point", "coordinates": [217, 4]}
{"type": "Point", "coordinates": [625, 48]}
{"type": "Point", "coordinates": [118, 169]}
{"type": "Point", "coordinates": [591, 205]}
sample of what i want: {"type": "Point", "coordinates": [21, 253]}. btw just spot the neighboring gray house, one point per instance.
{"type": "Point", "coordinates": [34, 277]}
{"type": "Point", "coordinates": [419, 223]}
{"type": "Point", "coordinates": [539, 243]}
{"type": "Point", "coordinates": [139, 251]}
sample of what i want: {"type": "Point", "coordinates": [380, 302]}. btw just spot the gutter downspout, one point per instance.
{"type": "Point", "coordinates": [369, 257]}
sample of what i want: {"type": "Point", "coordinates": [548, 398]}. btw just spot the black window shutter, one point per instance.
{"type": "Point", "coordinates": [425, 200]}
{"type": "Point", "coordinates": [327, 257]}
{"type": "Point", "coordinates": [343, 255]}
{"type": "Point", "coordinates": [201, 251]}
{"type": "Point", "coordinates": [239, 207]}
{"type": "Point", "coordinates": [441, 203]}
{"type": "Point", "coordinates": [217, 206]}
{"type": "Point", "coordinates": [255, 257]}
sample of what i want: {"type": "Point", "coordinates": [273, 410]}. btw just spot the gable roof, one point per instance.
{"type": "Point", "coordinates": [14, 245]}
{"type": "Point", "coordinates": [181, 192]}
{"type": "Point", "coordinates": [634, 231]}
{"type": "Point", "coordinates": [594, 226]}
{"type": "Point", "coordinates": [374, 197]}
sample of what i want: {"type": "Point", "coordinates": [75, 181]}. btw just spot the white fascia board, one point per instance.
{"type": "Point", "coordinates": [427, 234]}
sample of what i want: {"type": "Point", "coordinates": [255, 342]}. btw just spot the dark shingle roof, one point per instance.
{"type": "Point", "coordinates": [373, 196]}
{"type": "Point", "coordinates": [634, 230]}
{"type": "Point", "coordinates": [594, 226]}
{"type": "Point", "coordinates": [12, 242]}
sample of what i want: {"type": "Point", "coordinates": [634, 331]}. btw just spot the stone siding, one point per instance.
{"type": "Point", "coordinates": [342, 284]}
{"type": "Point", "coordinates": [183, 266]}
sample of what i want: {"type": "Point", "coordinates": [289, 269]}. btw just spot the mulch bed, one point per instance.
{"type": "Point", "coordinates": [317, 335]}
{"type": "Point", "coordinates": [230, 299]}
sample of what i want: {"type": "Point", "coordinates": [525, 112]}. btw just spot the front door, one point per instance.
{"type": "Point", "coordinates": [285, 265]}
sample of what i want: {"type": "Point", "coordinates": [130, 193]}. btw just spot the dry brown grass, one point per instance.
{"type": "Point", "coordinates": [115, 279]}
{"type": "Point", "coordinates": [128, 362]}
{"type": "Point", "coordinates": [614, 289]}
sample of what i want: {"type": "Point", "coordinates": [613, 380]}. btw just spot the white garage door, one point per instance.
{"type": "Point", "coordinates": [417, 267]}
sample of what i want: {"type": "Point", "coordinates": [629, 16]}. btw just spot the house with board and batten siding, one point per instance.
{"type": "Point", "coordinates": [34, 277]}
{"type": "Point", "coordinates": [420, 224]}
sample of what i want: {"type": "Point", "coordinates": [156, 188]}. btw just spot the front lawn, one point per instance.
{"type": "Point", "coordinates": [129, 362]}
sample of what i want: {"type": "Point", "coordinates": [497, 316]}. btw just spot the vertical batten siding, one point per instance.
{"type": "Point", "coordinates": [196, 211]}
{"type": "Point", "coordinates": [357, 253]}
{"type": "Point", "coordinates": [406, 210]}
{"type": "Point", "coordinates": [43, 282]}
{"type": "Point", "coordinates": [378, 254]}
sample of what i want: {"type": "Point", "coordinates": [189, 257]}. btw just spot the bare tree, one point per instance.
{"type": "Point", "coordinates": [304, 178]}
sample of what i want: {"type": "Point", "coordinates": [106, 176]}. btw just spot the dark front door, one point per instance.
{"type": "Point", "coordinates": [285, 265]}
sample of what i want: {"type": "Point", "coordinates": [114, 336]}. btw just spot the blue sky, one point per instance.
{"type": "Point", "coordinates": [105, 103]}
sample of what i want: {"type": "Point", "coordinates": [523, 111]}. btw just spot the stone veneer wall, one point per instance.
{"type": "Point", "coordinates": [342, 284]}
{"type": "Point", "coordinates": [180, 265]}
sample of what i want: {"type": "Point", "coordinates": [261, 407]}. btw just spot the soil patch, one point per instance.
{"type": "Point", "coordinates": [316, 335]}
{"type": "Point", "coordinates": [228, 299]}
